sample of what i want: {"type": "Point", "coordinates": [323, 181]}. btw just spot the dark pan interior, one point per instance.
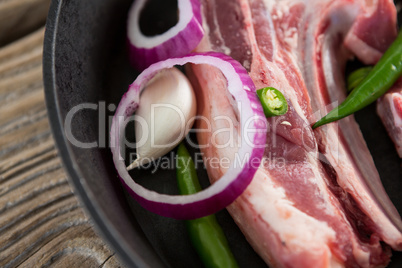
{"type": "Point", "coordinates": [85, 62]}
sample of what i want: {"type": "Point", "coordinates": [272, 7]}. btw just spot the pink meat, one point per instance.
{"type": "Point", "coordinates": [389, 108]}
{"type": "Point", "coordinates": [368, 46]}
{"type": "Point", "coordinates": [373, 30]}
{"type": "Point", "coordinates": [309, 204]}
{"type": "Point", "coordinates": [341, 143]}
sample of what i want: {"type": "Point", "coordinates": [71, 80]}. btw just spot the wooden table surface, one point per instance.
{"type": "Point", "coordinates": [41, 221]}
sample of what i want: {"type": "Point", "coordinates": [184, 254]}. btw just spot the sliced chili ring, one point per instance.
{"type": "Point", "coordinates": [273, 102]}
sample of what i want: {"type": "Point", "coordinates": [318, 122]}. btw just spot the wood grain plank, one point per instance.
{"type": "Point", "coordinates": [70, 241]}
{"type": "Point", "coordinates": [22, 107]}
{"type": "Point", "coordinates": [29, 164]}
{"type": "Point", "coordinates": [20, 17]}
{"type": "Point", "coordinates": [41, 221]}
{"type": "Point", "coordinates": [24, 45]}
{"type": "Point", "coordinates": [21, 63]}
{"type": "Point", "coordinates": [18, 159]}
{"type": "Point", "coordinates": [34, 116]}
{"type": "Point", "coordinates": [18, 139]}
{"type": "Point", "coordinates": [20, 81]}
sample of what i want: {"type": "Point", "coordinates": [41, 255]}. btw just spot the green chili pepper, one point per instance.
{"type": "Point", "coordinates": [205, 233]}
{"type": "Point", "coordinates": [377, 82]}
{"type": "Point", "coordinates": [356, 77]}
{"type": "Point", "coordinates": [273, 102]}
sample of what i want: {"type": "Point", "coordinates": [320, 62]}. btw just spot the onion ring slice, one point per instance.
{"type": "Point", "coordinates": [236, 179]}
{"type": "Point", "coordinates": [178, 41]}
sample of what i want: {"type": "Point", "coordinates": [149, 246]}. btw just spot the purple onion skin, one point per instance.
{"type": "Point", "coordinates": [180, 45]}
{"type": "Point", "coordinates": [218, 200]}
{"type": "Point", "coordinates": [204, 207]}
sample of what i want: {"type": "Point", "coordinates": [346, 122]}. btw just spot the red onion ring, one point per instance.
{"type": "Point", "coordinates": [236, 179]}
{"type": "Point", "coordinates": [178, 41]}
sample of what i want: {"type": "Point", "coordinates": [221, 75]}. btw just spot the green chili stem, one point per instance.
{"type": "Point", "coordinates": [205, 233]}
{"type": "Point", "coordinates": [273, 102]}
{"type": "Point", "coordinates": [377, 82]}
{"type": "Point", "coordinates": [356, 77]}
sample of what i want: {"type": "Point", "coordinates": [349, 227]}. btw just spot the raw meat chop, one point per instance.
{"type": "Point", "coordinates": [309, 204]}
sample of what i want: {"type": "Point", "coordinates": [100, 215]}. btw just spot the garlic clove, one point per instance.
{"type": "Point", "coordinates": [165, 115]}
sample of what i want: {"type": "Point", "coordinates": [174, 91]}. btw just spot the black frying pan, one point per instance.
{"type": "Point", "coordinates": [85, 61]}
